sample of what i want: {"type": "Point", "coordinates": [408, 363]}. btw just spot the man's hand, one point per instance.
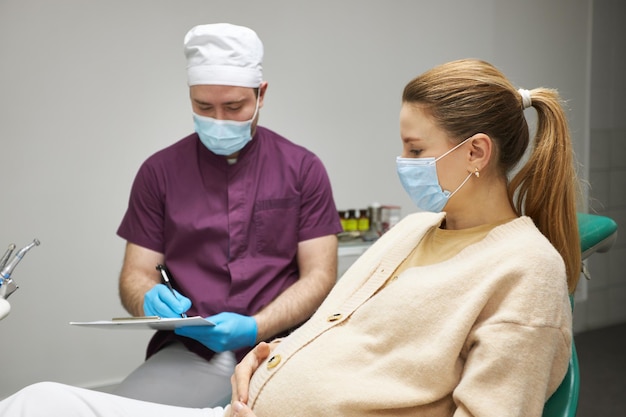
{"type": "Point", "coordinates": [160, 301]}
{"type": "Point", "coordinates": [240, 381]}
{"type": "Point", "coordinates": [231, 331]}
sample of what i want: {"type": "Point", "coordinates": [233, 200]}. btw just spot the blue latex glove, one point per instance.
{"type": "Point", "coordinates": [231, 331]}
{"type": "Point", "coordinates": [160, 301]}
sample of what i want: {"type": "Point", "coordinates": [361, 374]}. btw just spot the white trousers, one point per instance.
{"type": "Point", "coordinates": [50, 399]}
{"type": "Point", "coordinates": [176, 376]}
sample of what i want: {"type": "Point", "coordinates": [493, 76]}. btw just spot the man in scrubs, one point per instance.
{"type": "Point", "coordinates": [243, 219]}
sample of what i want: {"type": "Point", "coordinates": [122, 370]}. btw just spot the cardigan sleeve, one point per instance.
{"type": "Point", "coordinates": [511, 370]}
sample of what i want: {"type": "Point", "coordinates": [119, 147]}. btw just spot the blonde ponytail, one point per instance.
{"type": "Point", "coordinates": [546, 187]}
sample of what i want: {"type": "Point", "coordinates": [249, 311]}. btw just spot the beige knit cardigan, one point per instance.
{"type": "Point", "coordinates": [485, 333]}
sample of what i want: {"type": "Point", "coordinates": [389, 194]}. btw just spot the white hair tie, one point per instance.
{"type": "Point", "coordinates": [526, 100]}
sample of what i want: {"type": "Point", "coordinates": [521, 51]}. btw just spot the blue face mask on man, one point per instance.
{"type": "Point", "coordinates": [224, 137]}
{"type": "Point", "coordinates": [419, 179]}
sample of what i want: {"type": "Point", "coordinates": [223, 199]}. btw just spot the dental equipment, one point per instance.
{"type": "Point", "coordinates": [7, 255]}
{"type": "Point", "coordinates": [7, 285]}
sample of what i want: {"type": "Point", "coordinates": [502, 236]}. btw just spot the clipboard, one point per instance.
{"type": "Point", "coordinates": [145, 322]}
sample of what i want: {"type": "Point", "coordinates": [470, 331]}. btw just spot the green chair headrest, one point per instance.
{"type": "Point", "coordinates": [597, 233]}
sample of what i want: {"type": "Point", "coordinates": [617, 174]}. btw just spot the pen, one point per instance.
{"type": "Point", "coordinates": [166, 278]}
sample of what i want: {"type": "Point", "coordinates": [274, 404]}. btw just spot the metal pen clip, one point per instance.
{"type": "Point", "coordinates": [166, 279]}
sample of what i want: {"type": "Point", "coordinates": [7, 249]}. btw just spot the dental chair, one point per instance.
{"type": "Point", "coordinates": [597, 234]}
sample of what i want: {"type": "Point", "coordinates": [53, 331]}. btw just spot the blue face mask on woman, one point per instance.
{"type": "Point", "coordinates": [224, 137]}
{"type": "Point", "coordinates": [419, 179]}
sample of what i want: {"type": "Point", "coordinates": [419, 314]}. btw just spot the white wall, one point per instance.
{"type": "Point", "coordinates": [88, 89]}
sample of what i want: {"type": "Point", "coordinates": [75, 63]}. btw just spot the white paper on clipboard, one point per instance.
{"type": "Point", "coordinates": [152, 323]}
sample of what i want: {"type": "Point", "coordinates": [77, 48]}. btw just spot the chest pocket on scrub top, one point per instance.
{"type": "Point", "coordinates": [276, 223]}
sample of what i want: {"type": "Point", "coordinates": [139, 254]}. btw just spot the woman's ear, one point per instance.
{"type": "Point", "coordinates": [481, 149]}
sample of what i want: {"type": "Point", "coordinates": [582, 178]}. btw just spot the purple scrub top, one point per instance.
{"type": "Point", "coordinates": [229, 232]}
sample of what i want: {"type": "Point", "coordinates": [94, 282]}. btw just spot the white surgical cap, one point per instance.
{"type": "Point", "coordinates": [224, 54]}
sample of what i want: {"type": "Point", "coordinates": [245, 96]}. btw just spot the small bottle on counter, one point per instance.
{"type": "Point", "coordinates": [390, 216]}
{"type": "Point", "coordinates": [375, 227]}
{"type": "Point", "coordinates": [363, 222]}
{"type": "Point", "coordinates": [351, 221]}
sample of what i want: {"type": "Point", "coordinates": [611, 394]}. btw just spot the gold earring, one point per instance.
{"type": "Point", "coordinates": [477, 173]}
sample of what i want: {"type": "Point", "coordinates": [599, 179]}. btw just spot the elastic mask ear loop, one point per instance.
{"type": "Point", "coordinates": [462, 184]}
{"type": "Point", "coordinates": [466, 178]}
{"type": "Point", "coordinates": [452, 149]}
{"type": "Point", "coordinates": [256, 109]}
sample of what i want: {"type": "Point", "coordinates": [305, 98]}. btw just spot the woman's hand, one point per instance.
{"type": "Point", "coordinates": [239, 409]}
{"type": "Point", "coordinates": [240, 380]}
